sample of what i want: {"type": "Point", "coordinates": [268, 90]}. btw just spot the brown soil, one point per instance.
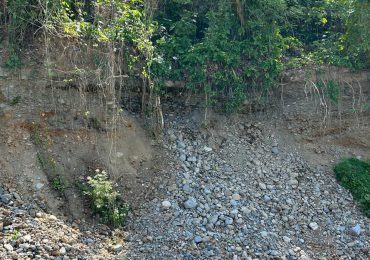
{"type": "Point", "coordinates": [75, 132]}
{"type": "Point", "coordinates": [324, 135]}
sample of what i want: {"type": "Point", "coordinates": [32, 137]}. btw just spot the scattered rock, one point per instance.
{"type": "Point", "coordinates": [148, 239]}
{"type": "Point", "coordinates": [236, 196]}
{"type": "Point", "coordinates": [262, 185]}
{"type": "Point", "coordinates": [187, 188]}
{"type": "Point", "coordinates": [275, 150]}
{"type": "Point", "coordinates": [293, 182]}
{"type": "Point", "coordinates": [356, 230]}
{"type": "Point", "coordinates": [190, 203]}
{"type": "Point", "coordinates": [6, 198]}
{"type": "Point", "coordinates": [229, 221]}
{"type": "Point", "coordinates": [39, 186]}
{"type": "Point", "coordinates": [313, 225]}
{"type": "Point", "coordinates": [117, 248]}
{"type": "Point", "coordinates": [192, 159]}
{"type": "Point", "coordinates": [119, 154]}
{"type": "Point", "coordinates": [172, 137]}
{"type": "Point", "coordinates": [16, 196]}
{"type": "Point", "coordinates": [27, 238]}
{"type": "Point", "coordinates": [183, 157]}
{"type": "Point", "coordinates": [233, 202]}
{"type": "Point", "coordinates": [62, 251]}
{"type": "Point", "coordinates": [198, 239]}
{"type": "Point", "coordinates": [166, 204]}
{"type": "Point", "coordinates": [8, 247]}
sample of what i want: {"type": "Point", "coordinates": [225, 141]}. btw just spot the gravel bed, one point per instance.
{"type": "Point", "coordinates": [243, 195]}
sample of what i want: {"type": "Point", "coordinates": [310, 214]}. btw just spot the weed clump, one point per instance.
{"type": "Point", "coordinates": [106, 200]}
{"type": "Point", "coordinates": [354, 175]}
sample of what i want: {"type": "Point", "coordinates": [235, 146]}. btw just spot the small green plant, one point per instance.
{"type": "Point", "coordinates": [14, 235]}
{"type": "Point", "coordinates": [15, 100]}
{"type": "Point", "coordinates": [367, 106]}
{"type": "Point", "coordinates": [354, 175]}
{"type": "Point", "coordinates": [81, 186]}
{"type": "Point", "coordinates": [331, 89]}
{"type": "Point", "coordinates": [57, 183]}
{"type": "Point", "coordinates": [14, 60]}
{"type": "Point", "coordinates": [106, 200]}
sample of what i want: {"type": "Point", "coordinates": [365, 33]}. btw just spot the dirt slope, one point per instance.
{"type": "Point", "coordinates": [73, 135]}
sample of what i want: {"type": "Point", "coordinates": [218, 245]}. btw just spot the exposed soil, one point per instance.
{"type": "Point", "coordinates": [325, 134]}
{"type": "Point", "coordinates": [77, 135]}
{"type": "Point", "coordinates": [63, 120]}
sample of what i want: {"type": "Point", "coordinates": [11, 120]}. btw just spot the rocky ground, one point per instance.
{"type": "Point", "coordinates": [237, 194]}
{"type": "Point", "coordinates": [26, 232]}
{"type": "Point", "coordinates": [245, 187]}
{"type": "Point", "coordinates": [245, 195]}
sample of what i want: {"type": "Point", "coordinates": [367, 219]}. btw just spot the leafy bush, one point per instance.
{"type": "Point", "coordinates": [355, 43]}
{"type": "Point", "coordinates": [354, 175]}
{"type": "Point", "coordinates": [105, 200]}
{"type": "Point", "coordinates": [21, 18]}
{"type": "Point", "coordinates": [225, 50]}
{"type": "Point", "coordinates": [331, 89]}
{"type": "Point", "coordinates": [335, 32]}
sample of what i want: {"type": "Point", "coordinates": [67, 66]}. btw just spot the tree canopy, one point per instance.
{"type": "Point", "coordinates": [224, 49]}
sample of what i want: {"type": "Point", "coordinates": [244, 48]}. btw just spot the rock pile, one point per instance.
{"type": "Point", "coordinates": [252, 199]}
{"type": "Point", "coordinates": [28, 233]}
{"type": "Point", "coordinates": [242, 196]}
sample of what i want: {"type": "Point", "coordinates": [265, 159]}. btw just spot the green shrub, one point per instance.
{"type": "Point", "coordinates": [14, 60]}
{"type": "Point", "coordinates": [106, 200]}
{"type": "Point", "coordinates": [331, 89]}
{"type": "Point", "coordinates": [354, 175]}
{"type": "Point", "coordinates": [227, 52]}
{"type": "Point", "coordinates": [15, 100]}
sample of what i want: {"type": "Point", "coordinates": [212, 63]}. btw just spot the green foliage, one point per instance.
{"type": "Point", "coordinates": [354, 175]}
{"type": "Point", "coordinates": [218, 54]}
{"type": "Point", "coordinates": [15, 100]}
{"type": "Point", "coordinates": [14, 235]}
{"type": "Point", "coordinates": [332, 32]}
{"type": "Point", "coordinates": [355, 43]}
{"type": "Point", "coordinates": [22, 13]}
{"type": "Point", "coordinates": [57, 183]}
{"type": "Point", "coordinates": [21, 18]}
{"type": "Point", "coordinates": [226, 50]}
{"type": "Point", "coordinates": [311, 21]}
{"type": "Point", "coordinates": [106, 200]}
{"type": "Point", "coordinates": [367, 106]}
{"type": "Point", "coordinates": [13, 61]}
{"type": "Point", "coordinates": [331, 89]}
